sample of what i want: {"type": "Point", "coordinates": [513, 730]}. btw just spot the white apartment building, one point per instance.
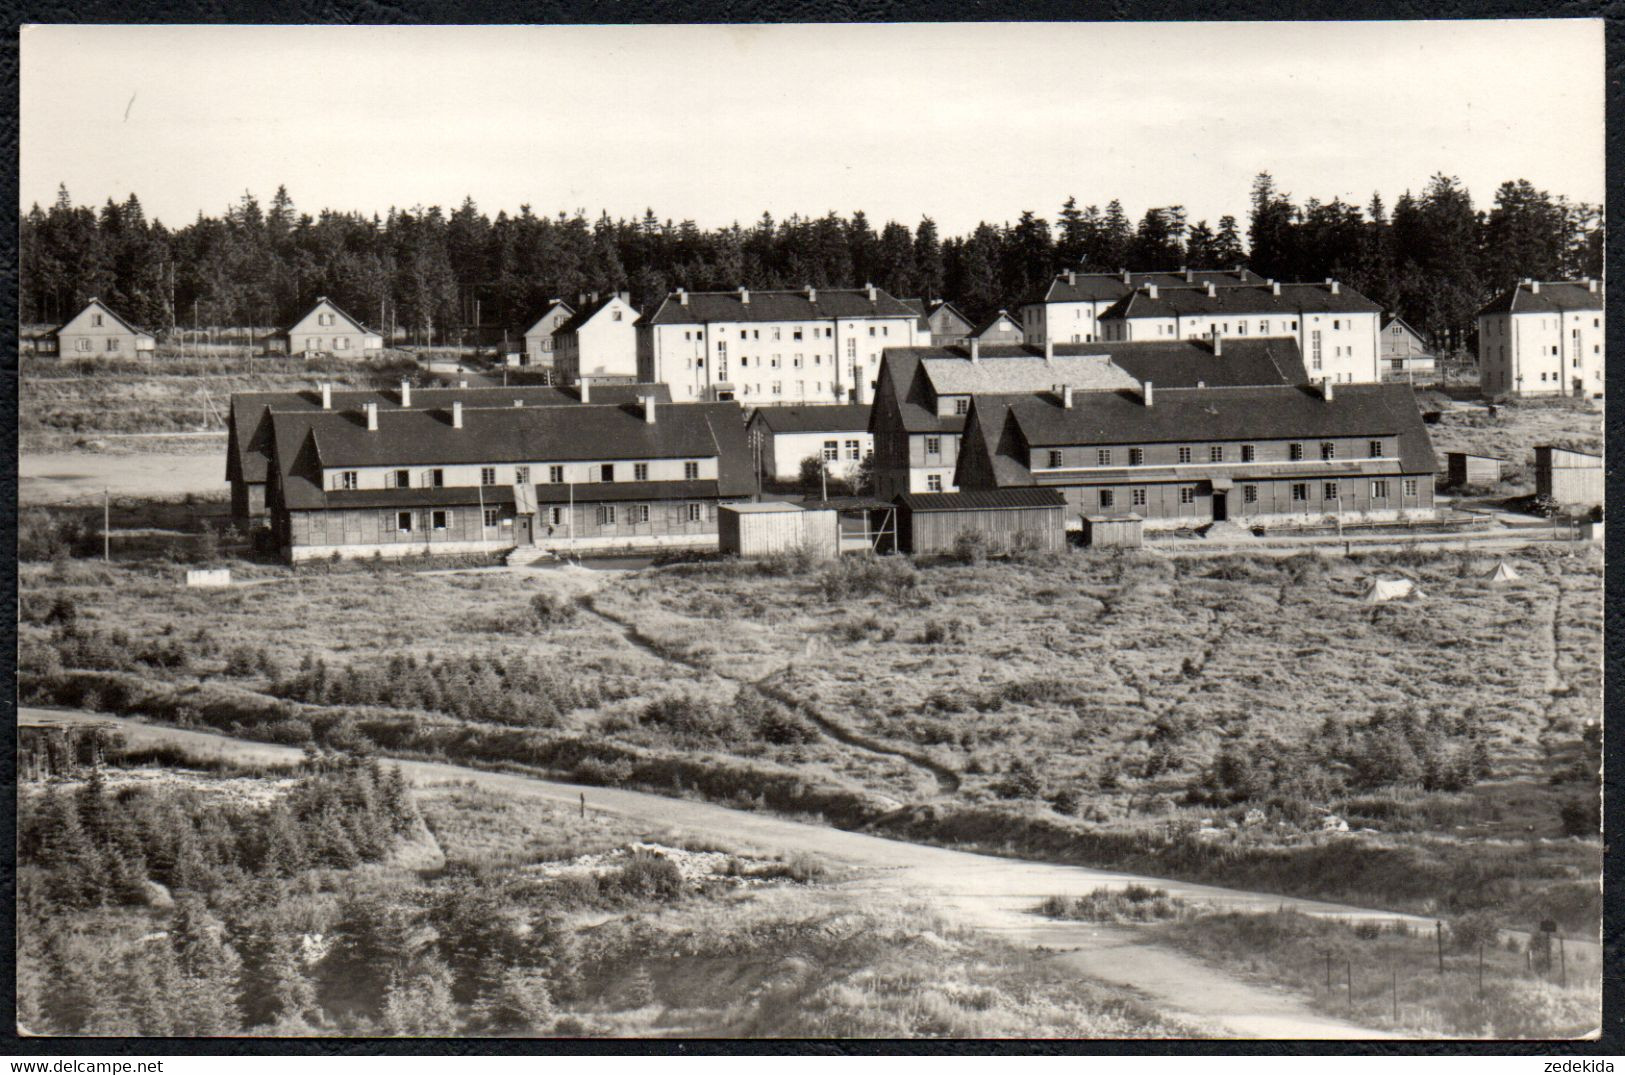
{"type": "Point", "coordinates": [1543, 339]}
{"type": "Point", "coordinates": [1068, 309]}
{"type": "Point", "coordinates": [764, 348]}
{"type": "Point", "coordinates": [1338, 330]}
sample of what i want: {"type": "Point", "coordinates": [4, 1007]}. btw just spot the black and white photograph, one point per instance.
{"type": "Point", "coordinates": [879, 531]}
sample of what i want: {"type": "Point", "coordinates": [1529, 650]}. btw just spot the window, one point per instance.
{"type": "Point", "coordinates": [439, 519]}
{"type": "Point", "coordinates": [606, 515]}
{"type": "Point", "coordinates": [1246, 453]}
{"type": "Point", "coordinates": [492, 516]}
{"type": "Point", "coordinates": [615, 315]}
{"type": "Point", "coordinates": [854, 450]}
{"type": "Point", "coordinates": [488, 475]}
{"type": "Point", "coordinates": [1136, 456]}
{"type": "Point", "coordinates": [1187, 494]}
{"type": "Point", "coordinates": [1379, 489]}
{"type": "Point", "coordinates": [341, 343]}
{"type": "Point", "coordinates": [521, 475]}
{"type": "Point", "coordinates": [555, 516]}
{"type": "Point", "coordinates": [403, 479]}
{"type": "Point", "coordinates": [112, 345]}
{"type": "Point", "coordinates": [96, 320]}
{"type": "Point", "coordinates": [1314, 349]}
{"type": "Point", "coordinates": [638, 513]}
{"type": "Point", "coordinates": [403, 522]}
{"type": "Point", "coordinates": [1249, 494]}
{"type": "Point", "coordinates": [832, 451]}
{"type": "Point", "coordinates": [1056, 459]}
{"type": "Point", "coordinates": [1300, 490]}
{"type": "Point", "coordinates": [691, 471]}
{"type": "Point", "coordinates": [1336, 325]}
{"type": "Point", "coordinates": [640, 472]}
{"type": "Point", "coordinates": [961, 406]}
{"type": "Point", "coordinates": [1375, 447]}
{"type": "Point", "coordinates": [1138, 497]}
{"type": "Point", "coordinates": [1184, 455]}
{"type": "Point", "coordinates": [348, 479]}
{"type": "Point", "coordinates": [933, 483]}
{"type": "Point", "coordinates": [555, 475]}
{"type": "Point", "coordinates": [606, 472]}
{"type": "Point", "coordinates": [1410, 486]}
{"type": "Point", "coordinates": [1103, 457]}
{"type": "Point", "coordinates": [1294, 452]}
{"type": "Point", "coordinates": [778, 388]}
{"type": "Point", "coordinates": [796, 334]}
{"type": "Point", "coordinates": [933, 446]}
{"type": "Point", "coordinates": [1329, 492]}
{"type": "Point", "coordinates": [1215, 454]}
{"type": "Point", "coordinates": [1328, 450]}
{"type": "Point", "coordinates": [1106, 498]}
{"type": "Point", "coordinates": [695, 513]}
{"type": "Point", "coordinates": [871, 330]}
{"type": "Point", "coordinates": [81, 345]}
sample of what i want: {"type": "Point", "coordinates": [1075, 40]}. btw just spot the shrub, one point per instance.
{"type": "Point", "coordinates": [647, 876]}
{"type": "Point", "coordinates": [551, 609]}
{"type": "Point", "coordinates": [1475, 928]}
{"type": "Point", "coordinates": [970, 547]}
{"type": "Point", "coordinates": [1581, 817]}
{"type": "Point", "coordinates": [868, 576]}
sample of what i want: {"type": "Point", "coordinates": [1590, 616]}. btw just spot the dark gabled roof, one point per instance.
{"type": "Point", "coordinates": [1281, 412]}
{"type": "Point", "coordinates": [1186, 301]}
{"type": "Point", "coordinates": [109, 311]}
{"type": "Point", "coordinates": [982, 500]}
{"type": "Point", "coordinates": [556, 304]}
{"type": "Point", "coordinates": [1105, 287]}
{"type": "Point", "coordinates": [580, 317]}
{"type": "Point", "coordinates": [987, 326]}
{"type": "Point", "coordinates": [706, 306]}
{"type": "Point", "coordinates": [1553, 297]}
{"type": "Point", "coordinates": [591, 491]}
{"type": "Point", "coordinates": [1243, 360]}
{"type": "Point", "coordinates": [820, 418]}
{"type": "Point", "coordinates": [305, 442]}
{"type": "Point", "coordinates": [249, 421]}
{"type": "Point", "coordinates": [918, 306]}
{"type": "Point", "coordinates": [1389, 320]}
{"type": "Point", "coordinates": [951, 309]}
{"type": "Point", "coordinates": [336, 309]}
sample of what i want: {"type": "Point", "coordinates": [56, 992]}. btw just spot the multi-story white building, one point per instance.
{"type": "Point", "coordinates": [1543, 339]}
{"type": "Point", "coordinates": [817, 345]}
{"type": "Point", "coordinates": [599, 340]}
{"type": "Point", "coordinates": [1337, 328]}
{"type": "Point", "coordinates": [1068, 309]}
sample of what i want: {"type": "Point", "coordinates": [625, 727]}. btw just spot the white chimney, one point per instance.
{"type": "Point", "coordinates": [975, 349]}
{"type": "Point", "coordinates": [1190, 276]}
{"type": "Point", "coordinates": [682, 297]}
{"type": "Point", "coordinates": [1591, 284]}
{"type": "Point", "coordinates": [518, 403]}
{"type": "Point", "coordinates": [1151, 290]}
{"type": "Point", "coordinates": [812, 293]}
{"type": "Point", "coordinates": [586, 390]}
{"type": "Point", "coordinates": [1534, 287]}
{"type": "Point", "coordinates": [1071, 278]}
{"type": "Point", "coordinates": [1326, 389]}
{"type": "Point", "coordinates": [1128, 278]}
{"type": "Point", "coordinates": [1145, 392]}
{"type": "Point", "coordinates": [457, 414]}
{"type": "Point", "coordinates": [1218, 343]}
{"type": "Point", "coordinates": [327, 397]}
{"type": "Point", "coordinates": [1212, 291]}
{"type": "Point", "coordinates": [1066, 396]}
{"type": "Point", "coordinates": [462, 384]}
{"type": "Point", "coordinates": [744, 297]}
{"type": "Point", "coordinates": [871, 290]}
{"type": "Point", "coordinates": [406, 393]}
{"type": "Point", "coordinates": [649, 409]}
{"type": "Point", "coordinates": [1049, 350]}
{"type": "Point", "coordinates": [1337, 288]}
{"type": "Point", "coordinates": [372, 417]}
{"type": "Point", "coordinates": [1275, 288]}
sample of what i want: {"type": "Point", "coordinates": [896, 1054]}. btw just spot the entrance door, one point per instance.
{"type": "Point", "coordinates": [524, 527]}
{"type": "Point", "coordinates": [1221, 506]}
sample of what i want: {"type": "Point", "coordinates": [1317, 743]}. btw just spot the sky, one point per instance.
{"type": "Point", "coordinates": [961, 122]}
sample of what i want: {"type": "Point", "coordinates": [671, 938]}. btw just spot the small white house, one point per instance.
{"type": "Point", "coordinates": [328, 330]}
{"type": "Point", "coordinates": [599, 340]}
{"type": "Point", "coordinates": [837, 433]}
{"type": "Point", "coordinates": [539, 336]}
{"type": "Point", "coordinates": [98, 332]}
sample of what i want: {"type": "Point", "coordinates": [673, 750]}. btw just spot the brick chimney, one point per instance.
{"type": "Point", "coordinates": [586, 390]}
{"type": "Point", "coordinates": [327, 397]}
{"type": "Point", "coordinates": [682, 297]}
{"type": "Point", "coordinates": [744, 297]}
{"type": "Point", "coordinates": [372, 417]}
{"type": "Point", "coordinates": [406, 393]}
{"type": "Point", "coordinates": [649, 409]}
{"type": "Point", "coordinates": [1145, 392]}
{"type": "Point", "coordinates": [1218, 343]}
{"type": "Point", "coordinates": [457, 414]}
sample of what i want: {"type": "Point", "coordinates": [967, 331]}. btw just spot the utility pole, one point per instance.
{"type": "Point", "coordinates": [107, 522]}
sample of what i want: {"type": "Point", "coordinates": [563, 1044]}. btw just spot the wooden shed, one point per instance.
{"type": "Point", "coordinates": [1007, 518]}
{"type": "Point", "coordinates": [751, 530]}
{"type": "Point", "coordinates": [1464, 468]}
{"type": "Point", "coordinates": [1113, 531]}
{"type": "Point", "coordinates": [1567, 476]}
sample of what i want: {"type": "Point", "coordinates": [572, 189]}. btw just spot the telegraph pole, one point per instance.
{"type": "Point", "coordinates": [107, 522]}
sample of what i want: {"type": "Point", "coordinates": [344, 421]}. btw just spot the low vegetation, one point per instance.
{"type": "Point", "coordinates": [1131, 903]}
{"type": "Point", "coordinates": [1512, 432]}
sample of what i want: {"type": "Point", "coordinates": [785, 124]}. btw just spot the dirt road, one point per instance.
{"type": "Point", "coordinates": [983, 891]}
{"type": "Point", "coordinates": [77, 477]}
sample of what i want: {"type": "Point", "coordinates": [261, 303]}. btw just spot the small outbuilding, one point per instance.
{"type": "Point", "coordinates": [1464, 468]}
{"type": "Point", "coordinates": [752, 530]}
{"type": "Point", "coordinates": [1113, 531]}
{"type": "Point", "coordinates": [1567, 476]}
{"type": "Point", "coordinates": [1006, 518]}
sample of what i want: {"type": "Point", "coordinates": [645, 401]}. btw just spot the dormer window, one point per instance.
{"type": "Point", "coordinates": [961, 406]}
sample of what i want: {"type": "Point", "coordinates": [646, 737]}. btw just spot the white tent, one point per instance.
{"type": "Point", "coordinates": [1382, 590]}
{"type": "Point", "coordinates": [1503, 573]}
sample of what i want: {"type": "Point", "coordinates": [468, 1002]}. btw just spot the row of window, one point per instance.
{"type": "Point", "coordinates": [406, 522]}
{"type": "Point", "coordinates": [82, 344]}
{"type": "Point", "coordinates": [832, 450]}
{"type": "Point", "coordinates": [1107, 498]}
{"type": "Point", "coordinates": [435, 477]}
{"type": "Point", "coordinates": [1495, 323]}
{"type": "Point", "coordinates": [1216, 453]}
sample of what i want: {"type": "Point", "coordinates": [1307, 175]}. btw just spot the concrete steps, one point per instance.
{"type": "Point", "coordinates": [524, 555]}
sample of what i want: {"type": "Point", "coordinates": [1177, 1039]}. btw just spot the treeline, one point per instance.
{"type": "Point", "coordinates": [432, 275]}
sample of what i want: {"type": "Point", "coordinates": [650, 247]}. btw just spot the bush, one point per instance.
{"type": "Point", "coordinates": [869, 576]}
{"type": "Point", "coordinates": [1476, 928]}
{"type": "Point", "coordinates": [551, 609]}
{"type": "Point", "coordinates": [647, 876]}
{"type": "Point", "coordinates": [970, 547]}
{"type": "Point", "coordinates": [1581, 817]}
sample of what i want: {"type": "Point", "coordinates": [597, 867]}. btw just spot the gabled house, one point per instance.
{"type": "Point", "coordinates": [1068, 308]}
{"type": "Point", "coordinates": [925, 392]}
{"type": "Point", "coordinates": [1404, 354]}
{"type": "Point", "coordinates": [1001, 328]}
{"type": "Point", "coordinates": [327, 330]}
{"type": "Point", "coordinates": [947, 325]}
{"type": "Point", "coordinates": [598, 340]}
{"type": "Point", "coordinates": [538, 349]}
{"type": "Point", "coordinates": [248, 421]}
{"type": "Point", "coordinates": [1190, 457]}
{"type": "Point", "coordinates": [368, 481]}
{"type": "Point", "coordinates": [837, 433]}
{"type": "Point", "coordinates": [1544, 339]}
{"type": "Point", "coordinates": [98, 332]}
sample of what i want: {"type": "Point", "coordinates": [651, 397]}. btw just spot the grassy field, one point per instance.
{"type": "Point", "coordinates": [1201, 718]}
{"type": "Point", "coordinates": [1512, 433]}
